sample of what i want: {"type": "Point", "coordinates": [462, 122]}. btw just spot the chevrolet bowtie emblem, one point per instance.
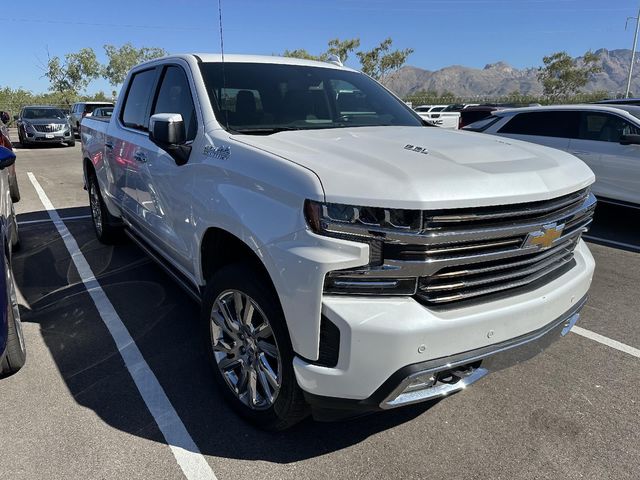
{"type": "Point", "coordinates": [544, 237]}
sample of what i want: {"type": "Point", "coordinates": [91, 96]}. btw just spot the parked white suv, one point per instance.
{"type": "Point", "coordinates": [82, 109]}
{"type": "Point", "coordinates": [347, 258]}
{"type": "Point", "coordinates": [607, 138]}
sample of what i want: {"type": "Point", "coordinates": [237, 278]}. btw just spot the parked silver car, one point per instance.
{"type": "Point", "coordinates": [83, 109]}
{"type": "Point", "coordinates": [605, 137]}
{"type": "Point", "coordinates": [44, 124]}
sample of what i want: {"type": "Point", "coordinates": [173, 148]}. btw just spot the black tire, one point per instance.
{"type": "Point", "coordinates": [289, 406]}
{"type": "Point", "coordinates": [23, 141]}
{"type": "Point", "coordinates": [106, 226]}
{"type": "Point", "coordinates": [72, 143]}
{"type": "Point", "coordinates": [14, 189]}
{"type": "Point", "coordinates": [16, 351]}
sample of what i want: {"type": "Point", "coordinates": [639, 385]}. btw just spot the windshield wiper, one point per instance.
{"type": "Point", "coordinates": [265, 130]}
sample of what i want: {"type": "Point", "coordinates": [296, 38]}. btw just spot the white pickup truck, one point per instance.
{"type": "Point", "coordinates": [347, 258]}
{"type": "Point", "coordinates": [439, 116]}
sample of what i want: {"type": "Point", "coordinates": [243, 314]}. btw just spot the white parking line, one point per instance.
{"type": "Point", "coordinates": [44, 220]}
{"type": "Point", "coordinates": [606, 341]}
{"type": "Point", "coordinates": [187, 454]}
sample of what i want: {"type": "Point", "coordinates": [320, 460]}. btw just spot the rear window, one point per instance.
{"type": "Point", "coordinates": [136, 106]}
{"type": "Point", "coordinates": [563, 124]}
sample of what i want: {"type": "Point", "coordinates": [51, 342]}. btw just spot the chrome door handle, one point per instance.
{"type": "Point", "coordinates": [140, 157]}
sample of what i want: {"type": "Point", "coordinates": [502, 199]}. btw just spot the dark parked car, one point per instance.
{"type": "Point", "coordinates": [474, 113]}
{"type": "Point", "coordinates": [44, 124]}
{"type": "Point", "coordinates": [5, 141]}
{"type": "Point", "coordinates": [12, 346]}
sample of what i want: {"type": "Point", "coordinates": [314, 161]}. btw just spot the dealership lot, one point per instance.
{"type": "Point", "coordinates": [75, 412]}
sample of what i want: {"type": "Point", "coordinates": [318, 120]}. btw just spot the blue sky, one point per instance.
{"type": "Point", "coordinates": [442, 32]}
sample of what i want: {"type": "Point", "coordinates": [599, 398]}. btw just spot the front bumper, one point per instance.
{"type": "Point", "coordinates": [385, 340]}
{"type": "Point", "coordinates": [56, 137]}
{"type": "Point", "coordinates": [443, 376]}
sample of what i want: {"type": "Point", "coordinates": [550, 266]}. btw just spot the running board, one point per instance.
{"type": "Point", "coordinates": [178, 276]}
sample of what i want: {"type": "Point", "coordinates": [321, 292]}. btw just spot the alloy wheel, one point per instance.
{"type": "Point", "coordinates": [245, 349]}
{"type": "Point", "coordinates": [96, 209]}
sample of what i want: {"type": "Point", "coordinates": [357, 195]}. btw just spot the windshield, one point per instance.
{"type": "Point", "coordinates": [264, 98]}
{"type": "Point", "coordinates": [633, 110]}
{"type": "Point", "coordinates": [37, 113]}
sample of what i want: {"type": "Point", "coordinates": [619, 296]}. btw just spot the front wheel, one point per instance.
{"type": "Point", "coordinates": [104, 224]}
{"type": "Point", "coordinates": [249, 348]}
{"type": "Point", "coordinates": [16, 350]}
{"type": "Point", "coordinates": [72, 142]}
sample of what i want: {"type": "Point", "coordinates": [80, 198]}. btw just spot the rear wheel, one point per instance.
{"type": "Point", "coordinates": [104, 224]}
{"type": "Point", "coordinates": [13, 188]}
{"type": "Point", "coordinates": [249, 348]}
{"type": "Point", "coordinates": [16, 351]}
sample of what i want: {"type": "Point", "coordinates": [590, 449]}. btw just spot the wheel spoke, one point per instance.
{"type": "Point", "coordinates": [264, 383]}
{"type": "Point", "coordinates": [268, 348]}
{"type": "Point", "coordinates": [248, 314]}
{"type": "Point", "coordinates": [268, 372]}
{"type": "Point", "coordinates": [241, 386]}
{"type": "Point", "coordinates": [222, 346]}
{"type": "Point", "coordinates": [227, 364]}
{"type": "Point", "coordinates": [238, 304]}
{"type": "Point", "coordinates": [263, 331]}
{"type": "Point", "coordinates": [252, 388]}
{"type": "Point", "coordinates": [228, 318]}
{"type": "Point", "coordinates": [219, 321]}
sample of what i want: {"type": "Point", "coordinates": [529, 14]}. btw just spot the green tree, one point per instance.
{"type": "Point", "coordinates": [563, 76]}
{"type": "Point", "coordinates": [121, 60]}
{"type": "Point", "coordinates": [380, 62]}
{"type": "Point", "coordinates": [342, 48]}
{"type": "Point", "coordinates": [302, 53]}
{"type": "Point", "coordinates": [73, 74]}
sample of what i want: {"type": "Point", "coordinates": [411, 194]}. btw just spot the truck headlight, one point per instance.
{"type": "Point", "coordinates": [367, 225]}
{"type": "Point", "coordinates": [28, 127]}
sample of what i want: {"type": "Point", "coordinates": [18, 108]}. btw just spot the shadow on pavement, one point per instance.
{"type": "Point", "coordinates": [163, 322]}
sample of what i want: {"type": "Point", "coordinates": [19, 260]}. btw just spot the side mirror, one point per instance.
{"type": "Point", "coordinates": [167, 131]}
{"type": "Point", "coordinates": [4, 117]}
{"type": "Point", "coordinates": [630, 140]}
{"type": "Point", "coordinates": [7, 157]}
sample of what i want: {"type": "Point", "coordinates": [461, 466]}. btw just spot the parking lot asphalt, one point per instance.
{"type": "Point", "coordinates": [74, 411]}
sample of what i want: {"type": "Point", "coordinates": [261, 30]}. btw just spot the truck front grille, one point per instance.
{"type": "Point", "coordinates": [527, 242]}
{"type": "Point", "coordinates": [474, 253]}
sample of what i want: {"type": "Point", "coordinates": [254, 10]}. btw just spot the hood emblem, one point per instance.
{"type": "Point", "coordinates": [416, 149]}
{"type": "Point", "coordinates": [544, 237]}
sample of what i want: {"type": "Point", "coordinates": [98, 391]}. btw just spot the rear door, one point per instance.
{"type": "Point", "coordinates": [163, 210]}
{"type": "Point", "coordinates": [127, 143]}
{"type": "Point", "coordinates": [616, 166]}
{"type": "Point", "coordinates": [552, 128]}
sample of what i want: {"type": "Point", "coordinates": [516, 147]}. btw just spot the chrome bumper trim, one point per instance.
{"type": "Point", "coordinates": [492, 358]}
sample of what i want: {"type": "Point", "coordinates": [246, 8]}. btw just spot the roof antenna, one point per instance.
{"type": "Point", "coordinates": [224, 80]}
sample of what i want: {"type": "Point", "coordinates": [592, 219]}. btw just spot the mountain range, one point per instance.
{"type": "Point", "coordinates": [499, 79]}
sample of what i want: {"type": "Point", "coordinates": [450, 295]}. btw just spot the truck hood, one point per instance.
{"type": "Point", "coordinates": [374, 166]}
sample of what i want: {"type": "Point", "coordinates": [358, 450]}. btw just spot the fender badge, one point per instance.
{"type": "Point", "coordinates": [222, 153]}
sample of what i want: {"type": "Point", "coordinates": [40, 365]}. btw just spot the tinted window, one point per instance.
{"type": "Point", "coordinates": [604, 127]}
{"type": "Point", "coordinates": [266, 97]}
{"type": "Point", "coordinates": [42, 113]}
{"type": "Point", "coordinates": [134, 114]}
{"type": "Point", "coordinates": [545, 124]}
{"type": "Point", "coordinates": [175, 97]}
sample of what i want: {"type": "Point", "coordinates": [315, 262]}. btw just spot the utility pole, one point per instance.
{"type": "Point", "coordinates": [633, 51]}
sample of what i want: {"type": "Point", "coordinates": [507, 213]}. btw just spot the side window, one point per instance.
{"type": "Point", "coordinates": [134, 113]}
{"type": "Point", "coordinates": [175, 97]}
{"type": "Point", "coordinates": [563, 124]}
{"type": "Point", "coordinates": [604, 127]}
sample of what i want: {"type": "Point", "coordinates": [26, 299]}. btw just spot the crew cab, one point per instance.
{"type": "Point", "coordinates": [347, 258]}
